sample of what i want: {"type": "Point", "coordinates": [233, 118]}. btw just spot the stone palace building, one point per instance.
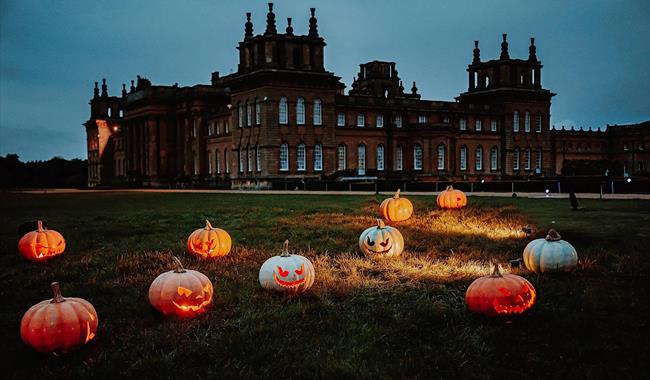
{"type": "Point", "coordinates": [282, 116]}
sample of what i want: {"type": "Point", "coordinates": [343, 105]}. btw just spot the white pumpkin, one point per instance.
{"type": "Point", "coordinates": [550, 254]}
{"type": "Point", "coordinates": [381, 241]}
{"type": "Point", "coordinates": [287, 272]}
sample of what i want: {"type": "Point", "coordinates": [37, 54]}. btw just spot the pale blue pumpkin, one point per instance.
{"type": "Point", "coordinates": [550, 254]}
{"type": "Point", "coordinates": [381, 241]}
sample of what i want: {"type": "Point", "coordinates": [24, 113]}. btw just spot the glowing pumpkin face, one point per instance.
{"type": "Point", "coordinates": [451, 198]}
{"type": "Point", "coordinates": [381, 241]}
{"type": "Point", "coordinates": [181, 292]}
{"type": "Point", "coordinates": [287, 272]}
{"type": "Point", "coordinates": [209, 242]}
{"type": "Point", "coordinates": [396, 209]}
{"type": "Point", "coordinates": [41, 244]}
{"type": "Point", "coordinates": [500, 294]}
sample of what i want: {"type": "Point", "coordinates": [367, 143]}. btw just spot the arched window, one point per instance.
{"type": "Point", "coordinates": [479, 158]}
{"type": "Point", "coordinates": [463, 157]}
{"type": "Point", "coordinates": [361, 159]}
{"type": "Point", "coordinates": [538, 123]}
{"type": "Point", "coordinates": [527, 158]}
{"type": "Point", "coordinates": [380, 157]}
{"type": "Point", "coordinates": [218, 163]}
{"type": "Point", "coordinates": [284, 157]}
{"type": "Point", "coordinates": [441, 157]}
{"type": "Point", "coordinates": [527, 122]}
{"type": "Point", "coordinates": [300, 111]}
{"type": "Point", "coordinates": [240, 109]}
{"type": "Point", "coordinates": [226, 160]}
{"type": "Point", "coordinates": [342, 157]}
{"type": "Point", "coordinates": [249, 113]}
{"type": "Point", "coordinates": [539, 158]}
{"type": "Point", "coordinates": [258, 112]}
{"type": "Point", "coordinates": [283, 111]}
{"type": "Point", "coordinates": [318, 112]}
{"type": "Point", "coordinates": [417, 157]}
{"type": "Point", "coordinates": [258, 159]}
{"type": "Point", "coordinates": [318, 157]}
{"type": "Point", "coordinates": [494, 158]}
{"type": "Point", "coordinates": [399, 158]}
{"type": "Point", "coordinates": [301, 157]}
{"type": "Point", "coordinates": [249, 154]}
{"type": "Point", "coordinates": [515, 159]}
{"type": "Point", "coordinates": [515, 121]}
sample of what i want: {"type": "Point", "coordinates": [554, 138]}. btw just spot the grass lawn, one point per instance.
{"type": "Point", "coordinates": [396, 318]}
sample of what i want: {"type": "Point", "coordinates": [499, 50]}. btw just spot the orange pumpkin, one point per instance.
{"type": "Point", "coordinates": [451, 198]}
{"type": "Point", "coordinates": [60, 324]}
{"type": "Point", "coordinates": [182, 292]}
{"type": "Point", "coordinates": [500, 294]}
{"type": "Point", "coordinates": [209, 242]}
{"type": "Point", "coordinates": [41, 244]}
{"type": "Point", "coordinates": [396, 209]}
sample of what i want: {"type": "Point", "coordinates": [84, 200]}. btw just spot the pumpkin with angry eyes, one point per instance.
{"type": "Point", "coordinates": [41, 244]}
{"type": "Point", "coordinates": [381, 241]}
{"type": "Point", "coordinates": [209, 242]}
{"type": "Point", "coordinates": [500, 294]}
{"type": "Point", "coordinates": [396, 209]}
{"type": "Point", "coordinates": [181, 292]}
{"type": "Point", "coordinates": [287, 272]}
{"type": "Point", "coordinates": [451, 198]}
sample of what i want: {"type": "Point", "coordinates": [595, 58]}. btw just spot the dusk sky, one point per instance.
{"type": "Point", "coordinates": [595, 53]}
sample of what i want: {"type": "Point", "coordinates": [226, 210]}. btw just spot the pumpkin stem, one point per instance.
{"type": "Point", "coordinates": [553, 235]}
{"type": "Point", "coordinates": [179, 265]}
{"type": "Point", "coordinates": [208, 226]}
{"type": "Point", "coordinates": [40, 226]}
{"type": "Point", "coordinates": [396, 196]}
{"type": "Point", "coordinates": [380, 223]}
{"type": "Point", "coordinates": [56, 290]}
{"type": "Point", "coordinates": [496, 272]}
{"type": "Point", "coordinates": [285, 249]}
{"type": "Point", "coordinates": [449, 188]}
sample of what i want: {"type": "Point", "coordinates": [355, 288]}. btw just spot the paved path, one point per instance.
{"type": "Point", "coordinates": [300, 192]}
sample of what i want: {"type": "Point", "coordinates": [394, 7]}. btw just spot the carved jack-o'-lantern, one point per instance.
{"type": "Point", "coordinates": [41, 244]}
{"type": "Point", "coordinates": [209, 242]}
{"type": "Point", "coordinates": [182, 292]}
{"type": "Point", "coordinates": [60, 324]}
{"type": "Point", "coordinates": [451, 198]}
{"type": "Point", "coordinates": [500, 294]}
{"type": "Point", "coordinates": [551, 254]}
{"type": "Point", "coordinates": [287, 272]}
{"type": "Point", "coordinates": [381, 241]}
{"type": "Point", "coordinates": [396, 209]}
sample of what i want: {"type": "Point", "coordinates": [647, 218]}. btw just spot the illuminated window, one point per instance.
{"type": "Point", "coordinates": [463, 158]}
{"type": "Point", "coordinates": [494, 158]}
{"type": "Point", "coordinates": [399, 158]}
{"type": "Point", "coordinates": [340, 119]}
{"type": "Point", "coordinates": [284, 157]}
{"type": "Point", "coordinates": [361, 159]}
{"type": "Point", "coordinates": [283, 111]}
{"type": "Point", "coordinates": [417, 157]}
{"type": "Point", "coordinates": [301, 157]}
{"type": "Point", "coordinates": [318, 157]}
{"type": "Point", "coordinates": [479, 158]}
{"type": "Point", "coordinates": [342, 157]}
{"type": "Point", "coordinates": [515, 159]}
{"type": "Point", "coordinates": [318, 112]}
{"type": "Point", "coordinates": [398, 121]}
{"type": "Point", "coordinates": [380, 121]}
{"type": "Point", "coordinates": [361, 120]}
{"type": "Point", "coordinates": [300, 111]}
{"type": "Point", "coordinates": [258, 112]}
{"type": "Point", "coordinates": [441, 157]}
{"type": "Point", "coordinates": [462, 124]}
{"type": "Point", "coordinates": [515, 121]}
{"type": "Point", "coordinates": [380, 157]}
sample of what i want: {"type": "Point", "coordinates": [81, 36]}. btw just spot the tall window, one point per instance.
{"type": "Point", "coordinates": [441, 157]}
{"type": "Point", "coordinates": [538, 123]}
{"type": "Point", "coordinates": [195, 127]}
{"type": "Point", "coordinates": [342, 157]}
{"type": "Point", "coordinates": [211, 128]}
{"type": "Point", "coordinates": [527, 122]}
{"type": "Point", "coordinates": [209, 162]}
{"type": "Point", "coordinates": [493, 126]}
{"type": "Point", "coordinates": [479, 158]}
{"type": "Point", "coordinates": [249, 114]}
{"type": "Point", "coordinates": [318, 112]}
{"type": "Point", "coordinates": [258, 159]}
{"type": "Point", "coordinates": [241, 115]}
{"type": "Point", "coordinates": [361, 159]}
{"type": "Point", "coordinates": [318, 157]}
{"type": "Point", "coordinates": [380, 157]}
{"type": "Point", "coordinates": [478, 126]}
{"type": "Point", "coordinates": [241, 160]}
{"type": "Point", "coordinates": [463, 124]}
{"type": "Point", "coordinates": [422, 119]}
{"type": "Point", "coordinates": [218, 157]}
{"type": "Point", "coordinates": [494, 158]}
{"type": "Point", "coordinates": [515, 122]}
{"type": "Point", "coordinates": [227, 127]}
{"type": "Point", "coordinates": [249, 151]}
{"type": "Point", "coordinates": [527, 158]}
{"type": "Point", "coordinates": [283, 111]}
{"type": "Point", "coordinates": [539, 158]}
{"type": "Point", "coordinates": [284, 157]}
{"type": "Point", "coordinates": [515, 159]}
{"type": "Point", "coordinates": [417, 157]}
{"type": "Point", "coordinates": [398, 121]}
{"type": "Point", "coordinates": [361, 120]}
{"type": "Point", "coordinates": [197, 166]}
{"type": "Point", "coordinates": [302, 157]}
{"type": "Point", "coordinates": [226, 160]}
{"type": "Point", "coordinates": [399, 158]}
{"type": "Point", "coordinates": [340, 119]}
{"type": "Point", "coordinates": [300, 111]}
{"type": "Point", "coordinates": [380, 121]}
{"type": "Point", "coordinates": [258, 112]}
{"type": "Point", "coordinates": [463, 158]}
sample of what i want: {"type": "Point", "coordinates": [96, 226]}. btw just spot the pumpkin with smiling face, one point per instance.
{"type": "Point", "coordinates": [209, 242]}
{"type": "Point", "coordinates": [181, 292]}
{"type": "Point", "coordinates": [500, 294]}
{"type": "Point", "coordinates": [396, 209]}
{"type": "Point", "coordinates": [287, 273]}
{"type": "Point", "coordinates": [381, 241]}
{"type": "Point", "coordinates": [41, 244]}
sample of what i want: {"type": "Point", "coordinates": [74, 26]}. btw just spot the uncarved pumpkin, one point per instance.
{"type": "Point", "coordinates": [396, 209]}
{"type": "Point", "coordinates": [500, 294]}
{"type": "Point", "coordinates": [550, 254]}
{"type": "Point", "coordinates": [451, 198]}
{"type": "Point", "coordinates": [287, 273]}
{"type": "Point", "coordinates": [60, 324]}
{"type": "Point", "coordinates": [41, 244]}
{"type": "Point", "coordinates": [381, 241]}
{"type": "Point", "coordinates": [209, 242]}
{"type": "Point", "coordinates": [181, 292]}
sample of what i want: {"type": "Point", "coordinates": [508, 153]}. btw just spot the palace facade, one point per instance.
{"type": "Point", "coordinates": [282, 115]}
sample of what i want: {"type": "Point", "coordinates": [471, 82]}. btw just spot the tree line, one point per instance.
{"type": "Point", "coordinates": [56, 172]}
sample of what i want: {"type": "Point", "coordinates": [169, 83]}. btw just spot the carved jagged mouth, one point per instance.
{"type": "Point", "coordinates": [519, 304]}
{"type": "Point", "coordinates": [288, 284]}
{"type": "Point", "coordinates": [382, 252]}
{"type": "Point", "coordinates": [193, 308]}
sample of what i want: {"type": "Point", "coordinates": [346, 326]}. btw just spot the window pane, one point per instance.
{"type": "Point", "coordinates": [301, 157]}
{"type": "Point", "coordinates": [417, 157]}
{"type": "Point", "coordinates": [398, 122]}
{"type": "Point", "coordinates": [318, 116]}
{"type": "Point", "coordinates": [283, 111]}
{"type": "Point", "coordinates": [258, 113]}
{"type": "Point", "coordinates": [463, 124]}
{"type": "Point", "coordinates": [300, 111]}
{"type": "Point", "coordinates": [479, 158]}
{"type": "Point", "coordinates": [441, 157]}
{"type": "Point", "coordinates": [380, 121]}
{"type": "Point", "coordinates": [494, 158]}
{"type": "Point", "coordinates": [380, 157]}
{"type": "Point", "coordinates": [399, 159]}
{"type": "Point", "coordinates": [284, 157]}
{"type": "Point", "coordinates": [527, 122]}
{"type": "Point", "coordinates": [463, 158]}
{"type": "Point", "coordinates": [515, 121]}
{"type": "Point", "coordinates": [361, 159]}
{"type": "Point", "coordinates": [342, 157]}
{"type": "Point", "coordinates": [340, 120]}
{"type": "Point", "coordinates": [258, 159]}
{"type": "Point", "coordinates": [318, 157]}
{"type": "Point", "coordinates": [493, 126]}
{"type": "Point", "coordinates": [479, 126]}
{"type": "Point", "coordinates": [515, 159]}
{"type": "Point", "coordinates": [361, 120]}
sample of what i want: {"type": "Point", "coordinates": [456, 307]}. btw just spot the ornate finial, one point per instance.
{"type": "Point", "coordinates": [124, 90]}
{"type": "Point", "coordinates": [504, 48]}
{"type": "Point", "coordinates": [289, 27]}
{"type": "Point", "coordinates": [414, 89]}
{"type": "Point", "coordinates": [532, 50]}
{"type": "Point", "coordinates": [270, 21]}
{"type": "Point", "coordinates": [104, 88]}
{"type": "Point", "coordinates": [132, 89]}
{"type": "Point", "coordinates": [313, 27]}
{"type": "Point", "coordinates": [401, 87]}
{"type": "Point", "coordinates": [477, 54]}
{"type": "Point", "coordinates": [248, 27]}
{"type": "Point", "coordinates": [96, 91]}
